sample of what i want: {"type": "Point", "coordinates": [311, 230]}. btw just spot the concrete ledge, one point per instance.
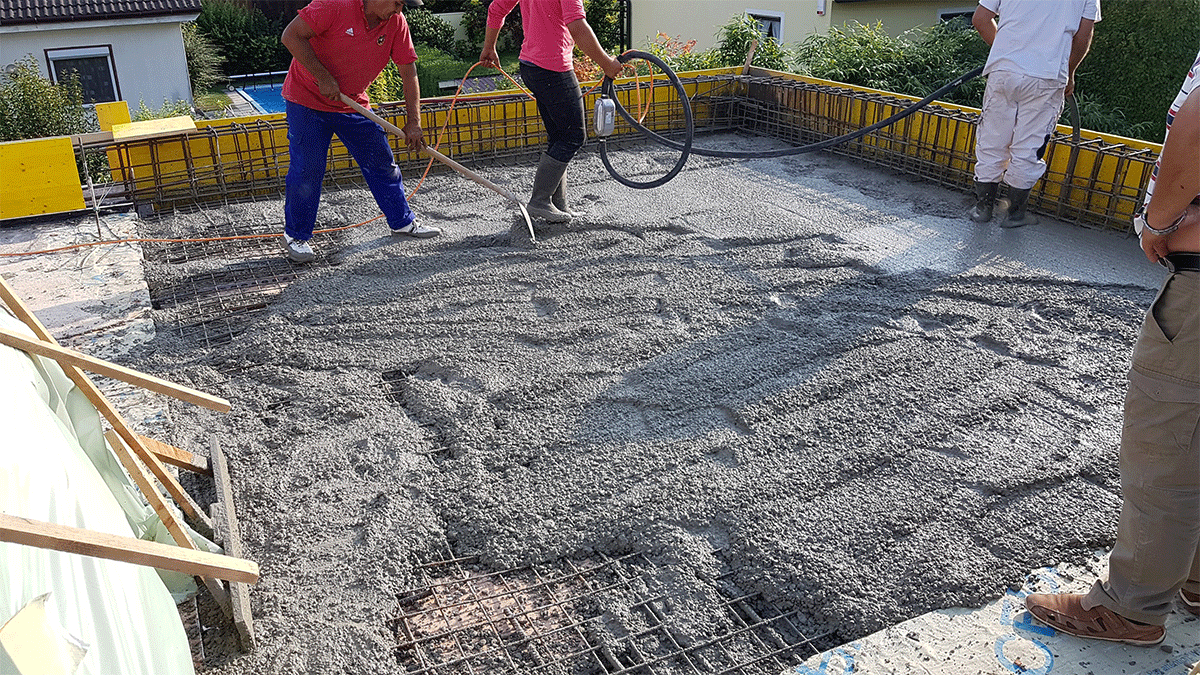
{"type": "Point", "coordinates": [1002, 637]}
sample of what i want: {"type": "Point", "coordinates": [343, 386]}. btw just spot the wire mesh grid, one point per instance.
{"type": "Point", "coordinates": [1087, 182]}
{"type": "Point", "coordinates": [547, 618]}
{"type": "Point", "coordinates": [216, 286]}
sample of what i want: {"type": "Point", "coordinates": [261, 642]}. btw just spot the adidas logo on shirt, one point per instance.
{"type": "Point", "coordinates": [350, 32]}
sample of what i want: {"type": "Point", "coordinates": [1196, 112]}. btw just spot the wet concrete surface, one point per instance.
{"type": "Point", "coordinates": [813, 377]}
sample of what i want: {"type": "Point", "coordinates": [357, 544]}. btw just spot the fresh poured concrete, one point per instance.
{"type": "Point", "coordinates": [808, 371]}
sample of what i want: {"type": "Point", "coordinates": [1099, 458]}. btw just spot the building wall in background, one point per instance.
{"type": "Point", "coordinates": [147, 56]}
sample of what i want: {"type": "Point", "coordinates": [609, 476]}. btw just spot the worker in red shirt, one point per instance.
{"type": "Point", "coordinates": [341, 46]}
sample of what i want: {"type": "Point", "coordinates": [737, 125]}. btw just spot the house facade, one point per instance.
{"type": "Point", "coordinates": [789, 21]}
{"type": "Point", "coordinates": [123, 50]}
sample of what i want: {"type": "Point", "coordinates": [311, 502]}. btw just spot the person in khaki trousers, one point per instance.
{"type": "Point", "coordinates": [1156, 558]}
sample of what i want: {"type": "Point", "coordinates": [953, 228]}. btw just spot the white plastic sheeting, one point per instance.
{"type": "Point", "coordinates": [55, 466]}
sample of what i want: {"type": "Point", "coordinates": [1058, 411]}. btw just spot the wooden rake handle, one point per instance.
{"type": "Point", "coordinates": [366, 112]}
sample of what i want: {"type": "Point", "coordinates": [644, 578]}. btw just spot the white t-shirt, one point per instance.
{"type": "Point", "coordinates": [1034, 36]}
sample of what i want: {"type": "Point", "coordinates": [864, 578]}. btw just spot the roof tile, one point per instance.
{"type": "Point", "coordinates": [13, 12]}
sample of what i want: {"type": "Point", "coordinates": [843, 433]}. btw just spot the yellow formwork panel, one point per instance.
{"type": "Point", "coordinates": [257, 152]}
{"type": "Point", "coordinates": [1114, 183]}
{"type": "Point", "coordinates": [40, 177]}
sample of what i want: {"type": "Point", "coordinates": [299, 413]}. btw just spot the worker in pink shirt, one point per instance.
{"type": "Point", "coordinates": [552, 28]}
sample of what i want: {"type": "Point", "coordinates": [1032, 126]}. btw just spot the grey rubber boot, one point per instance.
{"type": "Point", "coordinates": [559, 199]}
{"type": "Point", "coordinates": [985, 197]}
{"type": "Point", "coordinates": [548, 178]}
{"type": "Point", "coordinates": [1015, 214]}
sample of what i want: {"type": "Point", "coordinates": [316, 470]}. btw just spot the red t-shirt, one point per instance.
{"type": "Point", "coordinates": [350, 52]}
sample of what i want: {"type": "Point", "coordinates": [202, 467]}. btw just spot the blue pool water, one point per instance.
{"type": "Point", "coordinates": [266, 98]}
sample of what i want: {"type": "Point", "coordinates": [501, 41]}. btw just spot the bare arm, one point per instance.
{"type": "Point", "coordinates": [413, 136]}
{"type": "Point", "coordinates": [586, 40]}
{"type": "Point", "coordinates": [1177, 185]}
{"type": "Point", "coordinates": [1081, 42]}
{"type": "Point", "coordinates": [488, 55]}
{"type": "Point", "coordinates": [984, 21]}
{"type": "Point", "coordinates": [295, 38]}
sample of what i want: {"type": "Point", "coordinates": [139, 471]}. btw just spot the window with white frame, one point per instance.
{"type": "Point", "coordinates": [770, 23]}
{"type": "Point", "coordinates": [93, 65]}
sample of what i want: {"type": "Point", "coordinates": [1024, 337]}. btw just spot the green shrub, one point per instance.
{"type": "Point", "coordinates": [249, 41]}
{"type": "Point", "coordinates": [203, 60]}
{"type": "Point", "coordinates": [168, 109]}
{"type": "Point", "coordinates": [427, 29]}
{"type": "Point", "coordinates": [434, 66]}
{"type": "Point", "coordinates": [733, 44]}
{"type": "Point", "coordinates": [389, 86]}
{"type": "Point", "coordinates": [605, 19]}
{"type": "Point", "coordinates": [1140, 54]}
{"type": "Point", "coordinates": [475, 24]}
{"type": "Point", "coordinates": [31, 106]}
{"type": "Point", "coordinates": [1098, 116]}
{"type": "Point", "coordinates": [680, 55]}
{"type": "Point", "coordinates": [917, 63]}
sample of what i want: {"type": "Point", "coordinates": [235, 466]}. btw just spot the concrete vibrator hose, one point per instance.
{"type": "Point", "coordinates": [608, 104]}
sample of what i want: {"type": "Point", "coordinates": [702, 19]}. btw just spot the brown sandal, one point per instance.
{"type": "Point", "coordinates": [1064, 612]}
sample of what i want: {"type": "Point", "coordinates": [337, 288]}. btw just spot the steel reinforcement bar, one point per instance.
{"type": "Point", "coordinates": [1097, 180]}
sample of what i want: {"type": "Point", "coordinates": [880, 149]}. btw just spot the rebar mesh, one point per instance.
{"type": "Point", "coordinates": [212, 302]}
{"type": "Point", "coordinates": [546, 618]}
{"type": "Point", "coordinates": [1093, 182]}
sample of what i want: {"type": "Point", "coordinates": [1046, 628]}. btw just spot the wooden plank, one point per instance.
{"type": "Point", "coordinates": [172, 523]}
{"type": "Point", "coordinates": [71, 357]}
{"type": "Point", "coordinates": [94, 137]}
{"type": "Point", "coordinates": [25, 531]}
{"type": "Point", "coordinates": [226, 523]}
{"type": "Point", "coordinates": [167, 126]}
{"type": "Point", "coordinates": [177, 457]}
{"type": "Point", "coordinates": [749, 57]}
{"type": "Point", "coordinates": [202, 522]}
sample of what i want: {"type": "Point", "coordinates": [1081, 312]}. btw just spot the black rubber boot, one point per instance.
{"type": "Point", "coordinates": [985, 197]}
{"type": "Point", "coordinates": [1015, 214]}
{"type": "Point", "coordinates": [548, 178]}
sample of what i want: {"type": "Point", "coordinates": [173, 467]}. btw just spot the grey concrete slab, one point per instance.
{"type": "Point", "coordinates": [811, 379]}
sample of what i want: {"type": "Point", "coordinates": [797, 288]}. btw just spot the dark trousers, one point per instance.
{"type": "Point", "coordinates": [560, 102]}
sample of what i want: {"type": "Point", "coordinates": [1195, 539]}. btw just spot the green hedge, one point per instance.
{"type": "Point", "coordinates": [1140, 54]}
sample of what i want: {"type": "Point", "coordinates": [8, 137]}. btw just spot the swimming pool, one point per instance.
{"type": "Point", "coordinates": [266, 98]}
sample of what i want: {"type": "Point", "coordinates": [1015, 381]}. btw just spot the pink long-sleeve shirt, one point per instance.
{"type": "Point", "coordinates": [548, 43]}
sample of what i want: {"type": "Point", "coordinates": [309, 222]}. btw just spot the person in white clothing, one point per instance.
{"type": "Point", "coordinates": [1036, 45]}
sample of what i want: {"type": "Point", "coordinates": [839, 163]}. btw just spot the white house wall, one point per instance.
{"type": "Point", "coordinates": [149, 59]}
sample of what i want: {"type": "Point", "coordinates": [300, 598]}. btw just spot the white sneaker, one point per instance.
{"type": "Point", "coordinates": [414, 229]}
{"type": "Point", "coordinates": [297, 251]}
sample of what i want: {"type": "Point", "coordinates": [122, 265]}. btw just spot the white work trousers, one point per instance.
{"type": "Point", "coordinates": [1019, 113]}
